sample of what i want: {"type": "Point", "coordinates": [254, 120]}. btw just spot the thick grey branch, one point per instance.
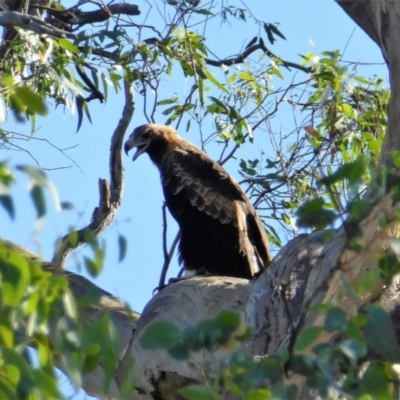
{"type": "Point", "coordinates": [12, 19]}
{"type": "Point", "coordinates": [110, 195]}
{"type": "Point", "coordinates": [363, 12]}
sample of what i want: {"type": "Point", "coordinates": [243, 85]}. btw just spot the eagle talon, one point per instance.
{"type": "Point", "coordinates": [159, 288]}
{"type": "Point", "coordinates": [170, 282]}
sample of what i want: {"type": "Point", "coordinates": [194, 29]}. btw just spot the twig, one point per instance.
{"type": "Point", "coordinates": [110, 194]}
{"type": "Point", "coordinates": [259, 46]}
{"type": "Point", "coordinates": [167, 262]}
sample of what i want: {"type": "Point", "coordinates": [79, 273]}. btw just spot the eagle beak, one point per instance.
{"type": "Point", "coordinates": [135, 142]}
{"type": "Point", "coordinates": [127, 147]}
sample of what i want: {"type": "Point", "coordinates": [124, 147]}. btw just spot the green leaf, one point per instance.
{"type": "Point", "coordinates": [396, 158]}
{"type": "Point", "coordinates": [66, 205]}
{"type": "Point", "coordinates": [368, 281]}
{"type": "Point", "coordinates": [31, 100]}
{"type": "Point", "coordinates": [167, 101]}
{"type": "Point", "coordinates": [6, 389]}
{"type": "Point", "coordinates": [388, 266]}
{"type": "Point", "coordinates": [199, 392]}
{"type": "Point", "coordinates": [92, 267]}
{"type": "Point", "coordinates": [259, 394]}
{"type": "Point", "coordinates": [90, 237]}
{"type": "Point", "coordinates": [314, 214]}
{"type": "Point", "coordinates": [359, 208]}
{"type": "Point", "coordinates": [7, 335]}
{"type": "Point", "coordinates": [11, 357]}
{"type": "Point", "coordinates": [12, 373]}
{"type": "Point", "coordinates": [347, 110]}
{"type": "Point", "coordinates": [79, 101]}
{"type": "Point", "coordinates": [284, 391]}
{"type": "Point", "coordinates": [66, 44]}
{"type": "Point", "coordinates": [122, 246]}
{"type": "Point", "coordinates": [38, 199]}
{"type": "Point", "coordinates": [160, 335]}
{"type": "Point", "coordinates": [307, 337]}
{"type": "Point", "coordinates": [69, 305]}
{"type": "Point", "coordinates": [181, 351]}
{"type": "Point", "coordinates": [375, 383]}
{"type": "Point", "coordinates": [203, 11]}
{"type": "Point", "coordinates": [336, 320]}
{"type": "Point", "coordinates": [105, 85]}
{"type": "Point", "coordinates": [87, 112]}
{"type": "Point", "coordinates": [271, 368]}
{"type": "Point", "coordinates": [354, 349]}
{"type": "Point", "coordinates": [47, 384]}
{"type": "Point", "coordinates": [73, 238]}
{"type": "Point", "coordinates": [39, 178]}
{"type": "Point", "coordinates": [7, 202]}
{"type": "Point", "coordinates": [275, 71]}
{"type": "Point", "coordinates": [15, 279]}
{"type": "Point", "coordinates": [36, 174]}
{"type": "Point", "coordinates": [352, 171]}
{"type": "Point", "coordinates": [380, 334]}
{"type": "Point", "coordinates": [212, 79]}
{"type": "Point", "coordinates": [229, 319]}
{"type": "Point", "coordinates": [275, 30]}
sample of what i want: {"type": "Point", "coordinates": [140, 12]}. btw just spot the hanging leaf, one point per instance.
{"type": "Point", "coordinates": [7, 202]}
{"type": "Point", "coordinates": [38, 199]}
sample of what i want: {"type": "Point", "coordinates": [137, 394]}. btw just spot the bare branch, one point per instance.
{"type": "Point", "coordinates": [259, 46]}
{"type": "Point", "coordinates": [12, 19]}
{"type": "Point", "coordinates": [110, 194]}
{"type": "Point", "coordinates": [167, 254]}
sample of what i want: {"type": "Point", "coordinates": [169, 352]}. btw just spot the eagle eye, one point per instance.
{"type": "Point", "coordinates": [146, 134]}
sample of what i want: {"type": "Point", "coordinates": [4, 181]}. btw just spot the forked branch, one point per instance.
{"type": "Point", "coordinates": [110, 194]}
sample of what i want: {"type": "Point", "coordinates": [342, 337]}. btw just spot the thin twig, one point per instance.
{"type": "Point", "coordinates": [259, 46]}
{"type": "Point", "coordinates": [167, 254]}
{"type": "Point", "coordinates": [168, 261]}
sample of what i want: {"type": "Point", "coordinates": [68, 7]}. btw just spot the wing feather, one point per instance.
{"type": "Point", "coordinates": [206, 184]}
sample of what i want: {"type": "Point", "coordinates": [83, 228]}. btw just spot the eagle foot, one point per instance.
{"type": "Point", "coordinates": [170, 282]}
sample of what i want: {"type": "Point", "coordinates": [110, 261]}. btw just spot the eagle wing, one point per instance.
{"type": "Point", "coordinates": [207, 186]}
{"type": "Point", "coordinates": [188, 174]}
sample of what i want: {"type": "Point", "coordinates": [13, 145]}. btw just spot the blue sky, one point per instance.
{"type": "Point", "coordinates": [309, 26]}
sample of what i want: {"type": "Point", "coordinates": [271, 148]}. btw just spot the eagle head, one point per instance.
{"type": "Point", "coordinates": [144, 135]}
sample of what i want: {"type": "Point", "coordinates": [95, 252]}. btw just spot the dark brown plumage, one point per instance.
{"type": "Point", "coordinates": [221, 234]}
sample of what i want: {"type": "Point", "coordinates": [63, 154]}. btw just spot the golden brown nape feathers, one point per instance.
{"type": "Point", "coordinates": [221, 234]}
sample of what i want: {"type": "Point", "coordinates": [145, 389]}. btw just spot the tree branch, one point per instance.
{"type": "Point", "coordinates": [110, 195]}
{"type": "Point", "coordinates": [259, 46]}
{"type": "Point", "coordinates": [363, 13]}
{"type": "Point", "coordinates": [78, 17]}
{"type": "Point", "coordinates": [12, 19]}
